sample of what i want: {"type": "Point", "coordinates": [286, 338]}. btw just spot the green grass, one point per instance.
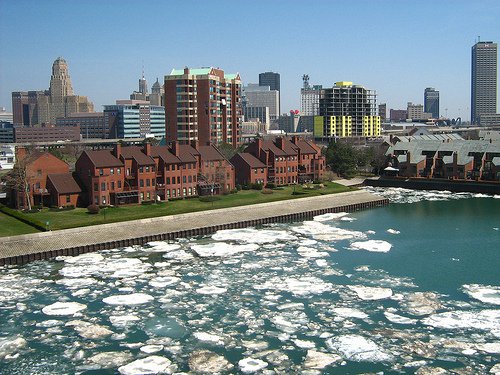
{"type": "Point", "coordinates": [10, 226]}
{"type": "Point", "coordinates": [79, 216]}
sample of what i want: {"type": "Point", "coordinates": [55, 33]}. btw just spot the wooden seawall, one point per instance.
{"type": "Point", "coordinates": [76, 241]}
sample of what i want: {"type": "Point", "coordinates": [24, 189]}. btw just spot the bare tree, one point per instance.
{"type": "Point", "coordinates": [18, 179]}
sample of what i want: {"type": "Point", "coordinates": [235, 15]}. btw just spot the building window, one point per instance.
{"type": "Point", "coordinates": [190, 191]}
{"type": "Point", "coordinates": [184, 193]}
{"type": "Point", "coordinates": [103, 186]}
{"type": "Point", "coordinates": [103, 200]}
{"type": "Point", "coordinates": [39, 173]}
{"type": "Point", "coordinates": [101, 172]}
{"type": "Point", "coordinates": [148, 182]}
{"type": "Point", "coordinates": [168, 181]}
{"type": "Point", "coordinates": [147, 168]}
{"type": "Point", "coordinates": [119, 170]}
{"type": "Point", "coordinates": [148, 195]}
{"type": "Point", "coordinates": [178, 192]}
{"type": "Point", "coordinates": [153, 182]}
{"type": "Point", "coordinates": [128, 171]}
{"type": "Point", "coordinates": [183, 179]}
{"type": "Point", "coordinates": [173, 193]}
{"type": "Point", "coordinates": [190, 178]}
{"type": "Point", "coordinates": [96, 186]}
{"type": "Point", "coordinates": [141, 169]}
{"type": "Point", "coordinates": [112, 185]}
{"type": "Point", "coordinates": [68, 198]}
{"type": "Point", "coordinates": [141, 183]}
{"type": "Point", "coordinates": [119, 184]}
{"type": "Point", "coordinates": [111, 171]}
{"type": "Point", "coordinates": [142, 196]}
{"type": "Point", "coordinates": [168, 193]}
{"type": "Point", "coordinates": [178, 179]}
{"type": "Point", "coordinates": [96, 199]}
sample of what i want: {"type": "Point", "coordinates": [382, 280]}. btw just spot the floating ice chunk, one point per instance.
{"type": "Point", "coordinates": [165, 327]}
{"type": "Point", "coordinates": [285, 324]}
{"type": "Point", "coordinates": [255, 345]}
{"type": "Point", "coordinates": [251, 365]}
{"type": "Point", "coordinates": [309, 252]}
{"type": "Point", "coordinates": [123, 320]}
{"type": "Point", "coordinates": [89, 258]}
{"type": "Point", "coordinates": [128, 299]}
{"type": "Point", "coordinates": [362, 268]}
{"type": "Point", "coordinates": [358, 348]}
{"type": "Point", "coordinates": [211, 289]}
{"type": "Point", "coordinates": [489, 347]}
{"type": "Point", "coordinates": [161, 247]}
{"type": "Point", "coordinates": [49, 323]}
{"type": "Point", "coordinates": [208, 362]}
{"type": "Point", "coordinates": [421, 303]}
{"type": "Point", "coordinates": [377, 246]}
{"type": "Point", "coordinates": [150, 349]}
{"type": "Point", "coordinates": [319, 360]}
{"type": "Point", "coordinates": [221, 249]}
{"type": "Point", "coordinates": [307, 242]}
{"type": "Point", "coordinates": [252, 235]}
{"type": "Point", "coordinates": [149, 365]}
{"type": "Point", "coordinates": [371, 293]}
{"type": "Point", "coordinates": [10, 345]}
{"type": "Point", "coordinates": [63, 308]}
{"type": "Point", "coordinates": [370, 232]}
{"type": "Point", "coordinates": [393, 231]}
{"type": "Point", "coordinates": [349, 219]}
{"type": "Point", "coordinates": [330, 216]}
{"type": "Point", "coordinates": [485, 320]}
{"type": "Point", "coordinates": [291, 306]}
{"type": "Point", "coordinates": [302, 286]}
{"type": "Point", "coordinates": [426, 370]}
{"type": "Point", "coordinates": [304, 344]}
{"type": "Point", "coordinates": [484, 293]}
{"type": "Point", "coordinates": [321, 262]}
{"type": "Point", "coordinates": [395, 318]}
{"type": "Point", "coordinates": [208, 337]}
{"type": "Point", "coordinates": [161, 282]}
{"type": "Point", "coordinates": [88, 330]}
{"type": "Point", "coordinates": [178, 255]}
{"type": "Point", "coordinates": [111, 359]}
{"type": "Point", "coordinates": [325, 232]}
{"type": "Point", "coordinates": [75, 283]}
{"type": "Point", "coordinates": [349, 312]}
{"type": "Point", "coordinates": [495, 369]}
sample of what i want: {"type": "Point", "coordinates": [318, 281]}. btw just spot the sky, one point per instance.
{"type": "Point", "coordinates": [397, 48]}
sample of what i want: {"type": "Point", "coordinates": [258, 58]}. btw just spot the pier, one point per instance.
{"type": "Point", "coordinates": [22, 249]}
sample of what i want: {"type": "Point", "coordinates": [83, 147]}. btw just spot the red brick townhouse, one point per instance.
{"type": "Point", "coordinates": [249, 169]}
{"type": "Point", "coordinates": [288, 161]}
{"type": "Point", "coordinates": [29, 177]}
{"type": "Point", "coordinates": [216, 173]}
{"type": "Point", "coordinates": [140, 172]}
{"type": "Point", "coordinates": [63, 190]}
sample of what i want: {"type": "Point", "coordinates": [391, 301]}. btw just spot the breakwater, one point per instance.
{"type": "Point", "coordinates": [26, 248]}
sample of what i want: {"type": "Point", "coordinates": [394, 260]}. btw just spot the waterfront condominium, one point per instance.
{"type": "Point", "coordinates": [431, 101]}
{"type": "Point", "coordinates": [483, 80]}
{"type": "Point", "coordinates": [203, 105]}
{"type": "Point", "coordinates": [346, 110]}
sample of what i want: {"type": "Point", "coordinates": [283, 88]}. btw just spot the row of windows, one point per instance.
{"type": "Point", "coordinates": [185, 179]}
{"type": "Point", "coordinates": [287, 158]}
{"type": "Point", "coordinates": [149, 182]}
{"type": "Point", "coordinates": [105, 186]}
{"type": "Point", "coordinates": [174, 193]}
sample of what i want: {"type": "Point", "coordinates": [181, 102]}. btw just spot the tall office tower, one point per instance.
{"type": "Point", "coordinates": [431, 101]}
{"type": "Point", "coordinates": [272, 80]}
{"type": "Point", "coordinates": [38, 107]}
{"type": "Point", "coordinates": [262, 96]}
{"type": "Point", "coordinates": [309, 98]}
{"type": "Point", "coordinates": [415, 112]}
{"type": "Point", "coordinates": [484, 80]}
{"type": "Point", "coordinates": [60, 88]}
{"type": "Point", "coordinates": [347, 110]}
{"type": "Point", "coordinates": [382, 111]}
{"type": "Point", "coordinates": [203, 105]}
{"type": "Point", "coordinates": [156, 96]}
{"type": "Point", "coordinates": [143, 85]}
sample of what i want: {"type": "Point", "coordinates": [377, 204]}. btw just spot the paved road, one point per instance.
{"type": "Point", "coordinates": [62, 239]}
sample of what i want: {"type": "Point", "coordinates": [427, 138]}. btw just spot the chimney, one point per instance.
{"type": "Point", "coordinates": [280, 142]}
{"type": "Point", "coordinates": [195, 144]}
{"type": "Point", "coordinates": [175, 148]}
{"type": "Point", "coordinates": [186, 70]}
{"type": "Point", "coordinates": [20, 153]}
{"type": "Point", "coordinates": [147, 149]}
{"type": "Point", "coordinates": [117, 150]}
{"type": "Point", "coordinates": [295, 139]}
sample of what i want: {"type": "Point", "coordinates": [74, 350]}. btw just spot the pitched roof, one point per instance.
{"type": "Point", "coordinates": [103, 158]}
{"type": "Point", "coordinates": [251, 160]}
{"type": "Point", "coordinates": [270, 146]}
{"type": "Point", "coordinates": [135, 152]}
{"type": "Point", "coordinates": [210, 153]}
{"type": "Point", "coordinates": [187, 154]}
{"type": "Point", "coordinates": [305, 147]}
{"type": "Point", "coordinates": [164, 153]}
{"type": "Point", "coordinates": [64, 183]}
{"type": "Point", "coordinates": [289, 147]}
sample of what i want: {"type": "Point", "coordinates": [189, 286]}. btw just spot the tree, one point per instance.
{"type": "Point", "coordinates": [341, 158]}
{"type": "Point", "coordinates": [228, 150]}
{"type": "Point", "coordinates": [18, 178]}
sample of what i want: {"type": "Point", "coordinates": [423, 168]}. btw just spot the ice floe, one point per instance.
{"type": "Point", "coordinates": [486, 320]}
{"type": "Point", "coordinates": [392, 231]}
{"type": "Point", "coordinates": [149, 365]}
{"type": "Point", "coordinates": [111, 359]}
{"type": "Point", "coordinates": [161, 247]}
{"type": "Point", "coordinates": [330, 216]}
{"type": "Point", "coordinates": [63, 308]}
{"type": "Point", "coordinates": [319, 360]}
{"type": "Point", "coordinates": [358, 348]}
{"type": "Point", "coordinates": [349, 312]}
{"type": "Point", "coordinates": [208, 362]}
{"type": "Point", "coordinates": [89, 330]}
{"type": "Point", "coordinates": [484, 293]}
{"type": "Point", "coordinates": [320, 231]}
{"type": "Point", "coordinates": [11, 345]}
{"type": "Point", "coordinates": [421, 303]}
{"type": "Point", "coordinates": [128, 299]}
{"type": "Point", "coordinates": [123, 320]}
{"type": "Point", "coordinates": [210, 290]}
{"type": "Point", "coordinates": [161, 282]}
{"type": "Point", "coordinates": [222, 249]}
{"type": "Point", "coordinates": [253, 236]}
{"type": "Point", "coordinates": [304, 344]}
{"type": "Point", "coordinates": [371, 293]}
{"type": "Point", "coordinates": [301, 286]}
{"type": "Point", "coordinates": [309, 252]}
{"type": "Point", "coordinates": [377, 246]}
{"type": "Point", "coordinates": [150, 349]}
{"type": "Point", "coordinates": [210, 338]}
{"type": "Point", "coordinates": [399, 319]}
{"type": "Point", "coordinates": [251, 365]}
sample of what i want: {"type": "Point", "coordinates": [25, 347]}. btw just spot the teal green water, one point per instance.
{"type": "Point", "coordinates": [409, 286]}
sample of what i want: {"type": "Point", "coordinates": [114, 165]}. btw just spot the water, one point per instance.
{"type": "Point", "coordinates": [394, 289]}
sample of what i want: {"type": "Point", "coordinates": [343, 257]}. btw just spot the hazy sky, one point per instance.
{"type": "Point", "coordinates": [394, 47]}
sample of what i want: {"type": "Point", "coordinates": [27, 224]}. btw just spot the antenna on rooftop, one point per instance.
{"type": "Point", "coordinates": [305, 79]}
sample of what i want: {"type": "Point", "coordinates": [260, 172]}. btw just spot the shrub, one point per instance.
{"type": "Point", "coordinates": [246, 187]}
{"type": "Point", "coordinates": [93, 209]}
{"type": "Point", "coordinates": [24, 218]}
{"type": "Point", "coordinates": [234, 191]}
{"type": "Point", "coordinates": [238, 187]}
{"type": "Point", "coordinates": [266, 191]}
{"type": "Point", "coordinates": [147, 202]}
{"type": "Point", "coordinates": [270, 185]}
{"type": "Point", "coordinates": [257, 186]}
{"type": "Point", "coordinates": [32, 211]}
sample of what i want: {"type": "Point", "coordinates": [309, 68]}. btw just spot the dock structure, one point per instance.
{"type": "Point", "coordinates": [45, 245]}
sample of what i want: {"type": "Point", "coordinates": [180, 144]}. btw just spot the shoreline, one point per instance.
{"type": "Point", "coordinates": [455, 186]}
{"type": "Point", "coordinates": [46, 245]}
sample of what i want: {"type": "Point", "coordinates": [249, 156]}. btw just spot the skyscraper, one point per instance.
{"type": "Point", "coordinates": [203, 105]}
{"type": "Point", "coordinates": [483, 80]}
{"type": "Point", "coordinates": [39, 107]}
{"type": "Point", "coordinates": [309, 98]}
{"type": "Point", "coordinates": [272, 80]}
{"type": "Point", "coordinates": [262, 96]}
{"type": "Point", "coordinates": [431, 101]}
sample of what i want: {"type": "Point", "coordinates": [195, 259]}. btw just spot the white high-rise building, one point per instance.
{"type": "Point", "coordinates": [262, 96]}
{"type": "Point", "coordinates": [309, 98]}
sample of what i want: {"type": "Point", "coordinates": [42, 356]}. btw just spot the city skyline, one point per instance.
{"type": "Point", "coordinates": [396, 48]}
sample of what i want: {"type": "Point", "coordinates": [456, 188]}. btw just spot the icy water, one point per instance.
{"type": "Point", "coordinates": [411, 287]}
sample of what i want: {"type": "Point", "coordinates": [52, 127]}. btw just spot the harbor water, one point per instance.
{"type": "Point", "coordinates": [410, 287]}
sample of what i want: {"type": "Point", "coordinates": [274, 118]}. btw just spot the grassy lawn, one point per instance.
{"type": "Point", "coordinates": [79, 216]}
{"type": "Point", "coordinates": [10, 226]}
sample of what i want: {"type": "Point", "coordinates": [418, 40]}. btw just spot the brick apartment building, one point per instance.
{"type": "Point", "coordinates": [287, 160]}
